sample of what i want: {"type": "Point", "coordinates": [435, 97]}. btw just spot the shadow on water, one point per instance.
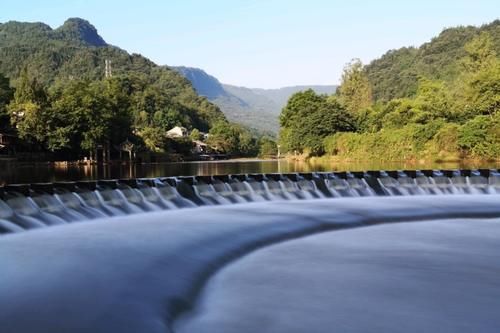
{"type": "Point", "coordinates": [13, 172]}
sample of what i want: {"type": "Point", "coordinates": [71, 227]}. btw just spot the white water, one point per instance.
{"type": "Point", "coordinates": [161, 271]}
{"type": "Point", "coordinates": [19, 212]}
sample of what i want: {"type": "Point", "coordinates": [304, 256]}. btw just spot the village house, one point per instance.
{"type": "Point", "coordinates": [177, 132]}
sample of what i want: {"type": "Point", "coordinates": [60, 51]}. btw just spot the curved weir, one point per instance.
{"type": "Point", "coordinates": [141, 264]}
{"type": "Point", "coordinates": [25, 206]}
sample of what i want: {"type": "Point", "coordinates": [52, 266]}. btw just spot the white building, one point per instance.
{"type": "Point", "coordinates": [177, 132]}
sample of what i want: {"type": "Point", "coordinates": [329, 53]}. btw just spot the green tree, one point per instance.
{"type": "Point", "coordinates": [267, 147]}
{"type": "Point", "coordinates": [479, 85]}
{"type": "Point", "coordinates": [6, 94]}
{"type": "Point", "coordinates": [154, 138]}
{"type": "Point", "coordinates": [90, 113]}
{"type": "Point", "coordinates": [28, 109]}
{"type": "Point", "coordinates": [224, 137]}
{"type": "Point", "coordinates": [480, 53]}
{"type": "Point", "coordinates": [308, 118]}
{"type": "Point", "coordinates": [232, 139]}
{"type": "Point", "coordinates": [355, 91]}
{"type": "Point", "coordinates": [480, 137]}
{"type": "Point", "coordinates": [195, 135]}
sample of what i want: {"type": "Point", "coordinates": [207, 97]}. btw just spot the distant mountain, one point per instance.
{"type": "Point", "coordinates": [201, 81]}
{"type": "Point", "coordinates": [253, 107]}
{"type": "Point", "coordinates": [280, 96]}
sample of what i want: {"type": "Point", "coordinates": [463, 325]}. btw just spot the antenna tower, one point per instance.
{"type": "Point", "coordinates": [107, 68]}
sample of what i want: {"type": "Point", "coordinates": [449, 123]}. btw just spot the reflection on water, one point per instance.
{"type": "Point", "coordinates": [12, 172]}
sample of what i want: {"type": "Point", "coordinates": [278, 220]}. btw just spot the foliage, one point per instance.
{"type": "Point", "coordinates": [195, 135]}
{"type": "Point", "coordinates": [154, 138]}
{"type": "Point", "coordinates": [27, 108]}
{"type": "Point", "coordinates": [6, 94]}
{"type": "Point", "coordinates": [308, 118]}
{"type": "Point", "coordinates": [480, 137]}
{"type": "Point", "coordinates": [267, 147]}
{"type": "Point", "coordinates": [355, 91]}
{"type": "Point", "coordinates": [179, 145]}
{"type": "Point", "coordinates": [396, 74]}
{"type": "Point", "coordinates": [232, 139]}
{"type": "Point", "coordinates": [449, 116]}
{"type": "Point", "coordinates": [62, 101]}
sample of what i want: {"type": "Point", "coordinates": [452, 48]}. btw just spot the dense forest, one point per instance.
{"type": "Point", "coordinates": [55, 95]}
{"type": "Point", "coordinates": [440, 101]}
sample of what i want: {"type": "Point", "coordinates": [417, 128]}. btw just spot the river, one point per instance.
{"type": "Point", "coordinates": [14, 172]}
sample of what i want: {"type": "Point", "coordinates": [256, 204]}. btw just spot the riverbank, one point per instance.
{"type": "Point", "coordinates": [353, 164]}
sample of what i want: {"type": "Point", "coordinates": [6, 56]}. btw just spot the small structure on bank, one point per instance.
{"type": "Point", "coordinates": [177, 132]}
{"type": "Point", "coordinates": [127, 146]}
{"type": "Point", "coordinates": [200, 147]}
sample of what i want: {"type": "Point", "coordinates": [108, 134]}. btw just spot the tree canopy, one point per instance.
{"type": "Point", "coordinates": [308, 118]}
{"type": "Point", "coordinates": [59, 97]}
{"type": "Point", "coordinates": [451, 115]}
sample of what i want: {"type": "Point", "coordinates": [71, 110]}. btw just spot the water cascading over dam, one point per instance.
{"type": "Point", "coordinates": [25, 206]}
{"type": "Point", "coordinates": [303, 252]}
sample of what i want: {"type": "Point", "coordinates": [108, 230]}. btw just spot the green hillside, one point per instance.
{"type": "Point", "coordinates": [438, 102]}
{"type": "Point", "coordinates": [76, 51]}
{"type": "Point", "coordinates": [397, 72]}
{"type": "Point", "coordinates": [67, 66]}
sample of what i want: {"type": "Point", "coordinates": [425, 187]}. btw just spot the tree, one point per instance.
{"type": "Point", "coordinates": [90, 113]}
{"type": "Point", "coordinates": [28, 109]}
{"type": "Point", "coordinates": [267, 147]}
{"type": "Point", "coordinates": [223, 137]}
{"type": "Point", "coordinates": [195, 135]}
{"type": "Point", "coordinates": [6, 94]}
{"type": "Point", "coordinates": [480, 82]}
{"type": "Point", "coordinates": [232, 139]}
{"type": "Point", "coordinates": [308, 118]}
{"type": "Point", "coordinates": [480, 53]}
{"type": "Point", "coordinates": [480, 137]}
{"type": "Point", "coordinates": [154, 138]}
{"type": "Point", "coordinates": [355, 91]}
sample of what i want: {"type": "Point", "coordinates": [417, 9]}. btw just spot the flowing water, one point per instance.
{"type": "Point", "coordinates": [249, 246]}
{"type": "Point", "coordinates": [342, 264]}
{"type": "Point", "coordinates": [44, 204]}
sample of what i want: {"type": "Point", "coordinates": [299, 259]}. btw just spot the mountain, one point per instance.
{"type": "Point", "coordinates": [253, 107]}
{"type": "Point", "coordinates": [76, 29]}
{"type": "Point", "coordinates": [202, 82]}
{"type": "Point", "coordinates": [396, 73]}
{"type": "Point", "coordinates": [280, 96]}
{"type": "Point", "coordinates": [75, 50]}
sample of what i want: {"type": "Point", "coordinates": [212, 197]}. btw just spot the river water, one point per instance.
{"type": "Point", "coordinates": [13, 172]}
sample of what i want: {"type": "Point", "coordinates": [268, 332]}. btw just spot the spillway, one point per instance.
{"type": "Point", "coordinates": [396, 251]}
{"type": "Point", "coordinates": [29, 206]}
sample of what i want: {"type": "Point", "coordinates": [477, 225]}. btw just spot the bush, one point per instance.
{"type": "Point", "coordinates": [480, 137]}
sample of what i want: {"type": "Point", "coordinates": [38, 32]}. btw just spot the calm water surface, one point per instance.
{"type": "Point", "coordinates": [12, 172]}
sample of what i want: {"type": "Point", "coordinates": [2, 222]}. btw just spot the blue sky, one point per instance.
{"type": "Point", "coordinates": [261, 43]}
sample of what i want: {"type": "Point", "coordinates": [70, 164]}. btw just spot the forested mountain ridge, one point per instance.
{"type": "Point", "coordinates": [57, 94]}
{"type": "Point", "coordinates": [76, 51]}
{"type": "Point", "coordinates": [396, 73]}
{"type": "Point", "coordinates": [253, 107]}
